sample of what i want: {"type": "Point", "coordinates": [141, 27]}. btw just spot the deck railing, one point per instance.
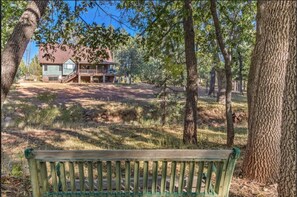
{"type": "Point", "coordinates": [92, 71]}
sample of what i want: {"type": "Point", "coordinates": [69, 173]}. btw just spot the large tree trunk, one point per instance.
{"type": "Point", "coordinates": [190, 122]}
{"type": "Point", "coordinates": [221, 94]}
{"type": "Point", "coordinates": [265, 88]}
{"type": "Point", "coordinates": [240, 72]}
{"type": "Point", "coordinates": [287, 185]}
{"type": "Point", "coordinates": [228, 72]}
{"type": "Point", "coordinates": [16, 45]}
{"type": "Point", "coordinates": [212, 81]}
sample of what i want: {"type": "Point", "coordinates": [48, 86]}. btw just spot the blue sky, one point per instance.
{"type": "Point", "coordinates": [111, 17]}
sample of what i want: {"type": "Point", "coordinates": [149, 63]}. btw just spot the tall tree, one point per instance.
{"type": "Point", "coordinates": [287, 184]}
{"type": "Point", "coordinates": [227, 58]}
{"type": "Point", "coordinates": [15, 47]}
{"type": "Point", "coordinates": [190, 125]}
{"type": "Point", "coordinates": [265, 88]}
{"type": "Point", "coordinates": [34, 67]}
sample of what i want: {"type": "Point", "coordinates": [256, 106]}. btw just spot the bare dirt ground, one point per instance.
{"type": "Point", "coordinates": [68, 93]}
{"type": "Point", "coordinates": [113, 135]}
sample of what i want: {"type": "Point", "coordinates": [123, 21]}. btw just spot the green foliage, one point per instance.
{"type": "Point", "coordinates": [62, 24]}
{"type": "Point", "coordinates": [42, 116]}
{"type": "Point", "coordinates": [174, 110]}
{"type": "Point", "coordinates": [161, 37]}
{"type": "Point", "coordinates": [17, 170]}
{"type": "Point", "coordinates": [11, 11]}
{"type": "Point", "coordinates": [34, 68]}
{"type": "Point", "coordinates": [22, 70]}
{"type": "Point", "coordinates": [74, 113]}
{"type": "Point", "coordinates": [130, 57]}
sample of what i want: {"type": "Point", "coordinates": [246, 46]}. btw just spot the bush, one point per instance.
{"type": "Point", "coordinates": [17, 170]}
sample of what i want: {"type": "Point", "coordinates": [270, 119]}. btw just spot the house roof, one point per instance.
{"type": "Point", "coordinates": [58, 54]}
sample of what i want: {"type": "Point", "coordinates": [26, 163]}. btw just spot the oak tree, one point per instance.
{"type": "Point", "coordinates": [265, 87]}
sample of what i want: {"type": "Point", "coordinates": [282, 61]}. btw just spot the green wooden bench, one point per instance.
{"type": "Point", "coordinates": [131, 172]}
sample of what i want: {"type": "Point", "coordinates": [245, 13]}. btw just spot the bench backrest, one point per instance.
{"type": "Point", "coordinates": [138, 172]}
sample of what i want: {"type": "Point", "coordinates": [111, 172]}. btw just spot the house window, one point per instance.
{"type": "Point", "coordinates": [60, 68]}
{"type": "Point", "coordinates": [45, 67]}
{"type": "Point", "coordinates": [69, 66]}
{"type": "Point", "coordinates": [53, 78]}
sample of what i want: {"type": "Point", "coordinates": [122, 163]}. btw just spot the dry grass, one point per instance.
{"type": "Point", "coordinates": [48, 116]}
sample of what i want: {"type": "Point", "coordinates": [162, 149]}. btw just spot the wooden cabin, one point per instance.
{"type": "Point", "coordinates": [60, 65]}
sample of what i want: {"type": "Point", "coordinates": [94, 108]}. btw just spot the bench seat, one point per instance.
{"type": "Point", "coordinates": [164, 172]}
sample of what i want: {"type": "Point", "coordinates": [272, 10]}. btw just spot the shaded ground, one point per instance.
{"type": "Point", "coordinates": [93, 125]}
{"type": "Point", "coordinates": [84, 93]}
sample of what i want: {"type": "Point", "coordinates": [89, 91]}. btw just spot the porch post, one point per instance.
{"type": "Point", "coordinates": [91, 79]}
{"type": "Point", "coordinates": [103, 78]}
{"type": "Point", "coordinates": [78, 78]}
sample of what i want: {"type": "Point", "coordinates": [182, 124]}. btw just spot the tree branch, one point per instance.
{"type": "Point", "coordinates": [222, 46]}
{"type": "Point", "coordinates": [120, 22]}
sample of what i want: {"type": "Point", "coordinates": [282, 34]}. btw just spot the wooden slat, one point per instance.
{"type": "Point", "coordinates": [145, 176]}
{"type": "Point", "coordinates": [136, 176]}
{"type": "Point", "coordinates": [222, 182]}
{"type": "Point", "coordinates": [191, 176]}
{"type": "Point", "coordinates": [181, 177]}
{"type": "Point", "coordinates": [199, 178]}
{"type": "Point", "coordinates": [54, 176]}
{"type": "Point", "coordinates": [109, 175]}
{"type": "Point", "coordinates": [90, 176]}
{"type": "Point", "coordinates": [172, 177]}
{"type": "Point", "coordinates": [116, 155]}
{"type": "Point", "coordinates": [228, 175]}
{"type": "Point", "coordinates": [118, 175]}
{"type": "Point", "coordinates": [100, 176]}
{"type": "Point", "coordinates": [44, 177]}
{"type": "Point", "coordinates": [164, 174]}
{"type": "Point", "coordinates": [63, 177]}
{"type": "Point", "coordinates": [127, 176]}
{"type": "Point", "coordinates": [39, 175]}
{"type": "Point", "coordinates": [34, 177]}
{"type": "Point", "coordinates": [155, 176]}
{"type": "Point", "coordinates": [81, 176]}
{"type": "Point", "coordinates": [219, 169]}
{"type": "Point", "coordinates": [208, 177]}
{"type": "Point", "coordinates": [72, 176]}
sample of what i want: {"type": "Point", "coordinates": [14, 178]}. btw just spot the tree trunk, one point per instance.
{"type": "Point", "coordinates": [206, 85]}
{"type": "Point", "coordinates": [221, 94]}
{"type": "Point", "coordinates": [16, 45]}
{"type": "Point", "coordinates": [212, 81]}
{"type": "Point", "coordinates": [164, 103]}
{"type": "Point", "coordinates": [190, 122]}
{"type": "Point", "coordinates": [288, 181]}
{"type": "Point", "coordinates": [230, 126]}
{"type": "Point", "coordinates": [240, 73]}
{"type": "Point", "coordinates": [228, 72]}
{"type": "Point", "coordinates": [265, 88]}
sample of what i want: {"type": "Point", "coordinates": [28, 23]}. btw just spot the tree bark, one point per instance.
{"type": "Point", "coordinates": [212, 81]}
{"type": "Point", "coordinates": [221, 94]}
{"type": "Point", "coordinates": [16, 45]}
{"type": "Point", "coordinates": [228, 72]}
{"type": "Point", "coordinates": [190, 121]}
{"type": "Point", "coordinates": [288, 181]}
{"type": "Point", "coordinates": [265, 88]}
{"type": "Point", "coordinates": [240, 72]}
